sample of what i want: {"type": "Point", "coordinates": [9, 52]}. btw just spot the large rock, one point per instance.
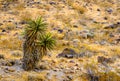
{"type": "Point", "coordinates": [68, 53]}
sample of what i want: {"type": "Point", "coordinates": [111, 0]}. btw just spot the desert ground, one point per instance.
{"type": "Point", "coordinates": [87, 34]}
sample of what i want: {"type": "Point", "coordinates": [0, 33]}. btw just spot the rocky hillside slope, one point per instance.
{"type": "Point", "coordinates": [87, 34]}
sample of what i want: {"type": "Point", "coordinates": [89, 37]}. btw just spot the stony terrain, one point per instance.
{"type": "Point", "coordinates": [87, 34]}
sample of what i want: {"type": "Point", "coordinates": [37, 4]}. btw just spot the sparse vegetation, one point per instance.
{"type": "Point", "coordinates": [89, 29]}
{"type": "Point", "coordinates": [45, 43]}
{"type": "Point", "coordinates": [33, 52]}
{"type": "Point", "coordinates": [32, 32]}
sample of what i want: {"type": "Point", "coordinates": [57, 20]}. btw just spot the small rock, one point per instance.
{"type": "Point", "coordinates": [70, 77]}
{"type": "Point", "coordinates": [69, 56]}
{"type": "Point", "coordinates": [52, 3]}
{"type": "Point", "coordinates": [3, 30]}
{"type": "Point", "coordinates": [105, 18]}
{"type": "Point", "coordinates": [60, 30]}
{"type": "Point", "coordinates": [75, 26]}
{"type": "Point", "coordinates": [118, 23]}
{"type": "Point", "coordinates": [76, 40]}
{"type": "Point", "coordinates": [72, 61]}
{"type": "Point", "coordinates": [110, 10]}
{"type": "Point", "coordinates": [98, 9]}
{"type": "Point", "coordinates": [68, 53]}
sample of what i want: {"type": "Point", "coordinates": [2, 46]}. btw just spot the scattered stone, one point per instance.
{"type": "Point", "coordinates": [68, 53]}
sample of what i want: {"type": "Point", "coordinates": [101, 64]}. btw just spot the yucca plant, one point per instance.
{"type": "Point", "coordinates": [33, 31]}
{"type": "Point", "coordinates": [46, 42]}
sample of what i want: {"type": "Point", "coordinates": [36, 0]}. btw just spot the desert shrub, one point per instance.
{"type": "Point", "coordinates": [36, 43]}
